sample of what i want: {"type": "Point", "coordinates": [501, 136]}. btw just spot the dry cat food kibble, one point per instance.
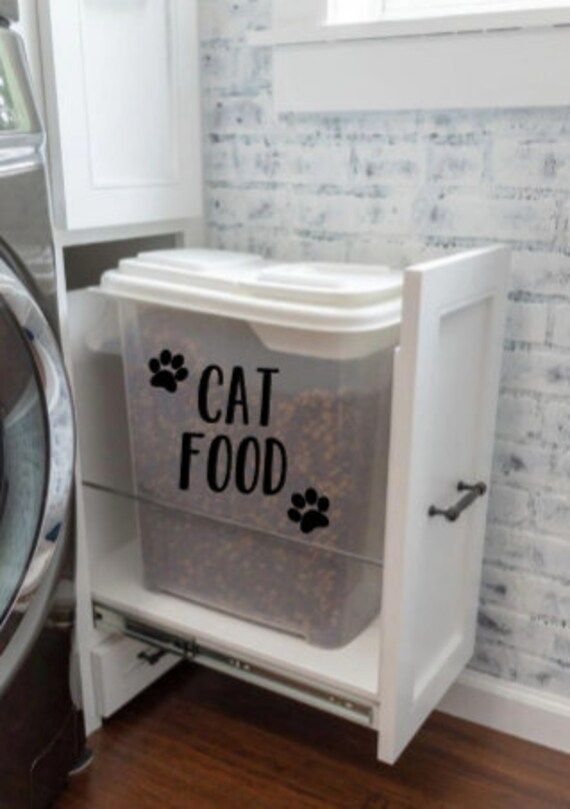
{"type": "Point", "coordinates": [262, 550]}
{"type": "Point", "coordinates": [260, 467]}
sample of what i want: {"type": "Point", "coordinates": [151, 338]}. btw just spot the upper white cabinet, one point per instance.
{"type": "Point", "coordinates": [122, 94]}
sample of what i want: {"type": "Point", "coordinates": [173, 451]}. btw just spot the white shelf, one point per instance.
{"type": "Point", "coordinates": [351, 670]}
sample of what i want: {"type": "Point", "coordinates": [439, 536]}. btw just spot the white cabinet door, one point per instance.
{"type": "Point", "coordinates": [122, 96]}
{"type": "Point", "coordinates": [444, 404]}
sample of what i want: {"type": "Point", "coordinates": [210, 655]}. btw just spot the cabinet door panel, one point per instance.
{"type": "Point", "coordinates": [444, 403]}
{"type": "Point", "coordinates": [122, 92]}
{"type": "Point", "coordinates": [140, 37]}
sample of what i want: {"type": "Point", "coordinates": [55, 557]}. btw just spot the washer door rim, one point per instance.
{"type": "Point", "coordinates": [31, 600]}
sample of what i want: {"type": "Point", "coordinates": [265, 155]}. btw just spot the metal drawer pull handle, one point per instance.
{"type": "Point", "coordinates": [453, 513]}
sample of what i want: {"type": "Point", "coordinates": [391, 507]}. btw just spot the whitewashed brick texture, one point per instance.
{"type": "Point", "coordinates": [399, 187]}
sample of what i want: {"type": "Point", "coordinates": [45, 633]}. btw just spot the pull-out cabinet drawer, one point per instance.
{"type": "Point", "coordinates": [444, 398]}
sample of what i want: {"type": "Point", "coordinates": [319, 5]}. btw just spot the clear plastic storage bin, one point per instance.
{"type": "Point", "coordinates": [259, 409]}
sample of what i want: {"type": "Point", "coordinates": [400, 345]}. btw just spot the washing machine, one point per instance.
{"type": "Point", "coordinates": [41, 736]}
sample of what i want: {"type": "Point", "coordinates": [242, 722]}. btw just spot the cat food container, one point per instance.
{"type": "Point", "coordinates": [259, 408]}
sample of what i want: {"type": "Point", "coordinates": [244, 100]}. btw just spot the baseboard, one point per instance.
{"type": "Point", "coordinates": [511, 708]}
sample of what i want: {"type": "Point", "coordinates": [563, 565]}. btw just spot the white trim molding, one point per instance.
{"type": "Point", "coordinates": [511, 708]}
{"type": "Point", "coordinates": [527, 68]}
{"type": "Point", "coordinates": [294, 24]}
{"type": "Point", "coordinates": [502, 59]}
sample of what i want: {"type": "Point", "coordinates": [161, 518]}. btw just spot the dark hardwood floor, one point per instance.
{"type": "Point", "coordinates": [199, 739]}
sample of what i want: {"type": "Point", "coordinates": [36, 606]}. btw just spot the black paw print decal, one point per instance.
{"type": "Point", "coordinates": [167, 371]}
{"type": "Point", "coordinates": [309, 511]}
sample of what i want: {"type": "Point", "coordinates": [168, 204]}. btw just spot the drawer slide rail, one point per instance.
{"type": "Point", "coordinates": [114, 621]}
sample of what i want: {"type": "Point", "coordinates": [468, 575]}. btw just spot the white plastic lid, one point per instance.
{"type": "Point", "coordinates": [324, 297]}
{"type": "Point", "coordinates": [198, 260]}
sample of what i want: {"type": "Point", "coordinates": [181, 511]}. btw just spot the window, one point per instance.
{"type": "Point", "coordinates": [354, 11]}
{"type": "Point", "coordinates": [343, 11]}
{"type": "Point", "coordinates": [339, 19]}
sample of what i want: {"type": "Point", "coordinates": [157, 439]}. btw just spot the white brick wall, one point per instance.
{"type": "Point", "coordinates": [561, 325]}
{"type": "Point", "coordinates": [398, 187]}
{"type": "Point", "coordinates": [520, 417]}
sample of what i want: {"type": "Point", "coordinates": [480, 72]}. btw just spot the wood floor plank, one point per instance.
{"type": "Point", "coordinates": [199, 739]}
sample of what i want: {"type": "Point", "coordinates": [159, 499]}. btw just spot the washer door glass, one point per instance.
{"type": "Point", "coordinates": [24, 457]}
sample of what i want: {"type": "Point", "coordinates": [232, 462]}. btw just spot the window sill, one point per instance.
{"type": "Point", "coordinates": [420, 64]}
{"type": "Point", "coordinates": [427, 25]}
